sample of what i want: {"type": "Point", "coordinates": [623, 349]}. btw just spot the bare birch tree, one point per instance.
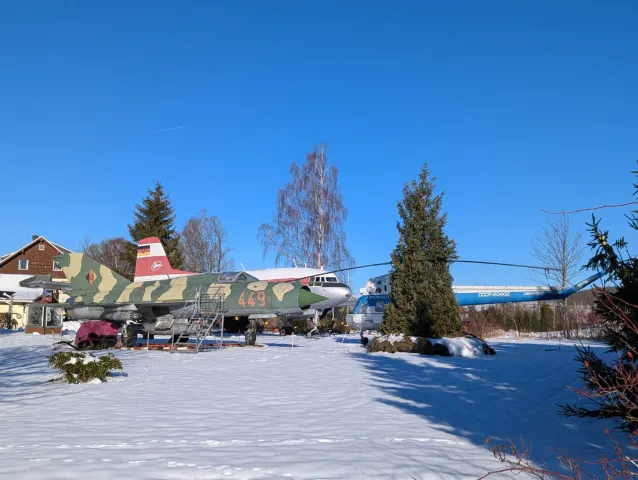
{"type": "Point", "coordinates": [308, 225]}
{"type": "Point", "coordinates": [204, 242]}
{"type": "Point", "coordinates": [558, 247]}
{"type": "Point", "coordinates": [111, 252]}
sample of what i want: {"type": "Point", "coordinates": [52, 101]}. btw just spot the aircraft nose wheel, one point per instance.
{"type": "Point", "coordinates": [283, 331]}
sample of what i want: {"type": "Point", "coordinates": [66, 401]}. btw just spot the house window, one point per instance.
{"type": "Point", "coordinates": [56, 267]}
{"type": "Point", "coordinates": [41, 247]}
{"type": "Point", "coordinates": [23, 264]}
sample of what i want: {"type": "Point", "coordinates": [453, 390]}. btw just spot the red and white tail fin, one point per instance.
{"type": "Point", "coordinates": [152, 262]}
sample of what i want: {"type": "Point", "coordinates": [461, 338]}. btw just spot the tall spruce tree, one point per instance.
{"type": "Point", "coordinates": [155, 218]}
{"type": "Point", "coordinates": [422, 300]}
{"type": "Point", "coordinates": [612, 386]}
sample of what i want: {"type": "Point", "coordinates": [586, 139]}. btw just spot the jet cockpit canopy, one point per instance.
{"type": "Point", "coordinates": [232, 277]}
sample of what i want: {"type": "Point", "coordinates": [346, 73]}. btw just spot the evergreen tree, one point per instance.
{"type": "Point", "coordinates": [422, 300]}
{"type": "Point", "coordinates": [622, 270]}
{"type": "Point", "coordinates": [613, 387]}
{"type": "Point", "coordinates": [547, 318]}
{"type": "Point", "coordinates": [155, 218]}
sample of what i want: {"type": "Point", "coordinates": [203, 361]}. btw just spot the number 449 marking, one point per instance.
{"type": "Point", "coordinates": [251, 302]}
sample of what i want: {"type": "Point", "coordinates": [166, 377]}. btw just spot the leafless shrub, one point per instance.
{"type": "Point", "coordinates": [482, 323]}
{"type": "Point", "coordinates": [622, 465]}
{"type": "Point", "coordinates": [558, 247]}
{"type": "Point", "coordinates": [111, 252]}
{"type": "Point", "coordinates": [204, 242]}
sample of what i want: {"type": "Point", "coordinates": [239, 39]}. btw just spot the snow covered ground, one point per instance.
{"type": "Point", "coordinates": [323, 409]}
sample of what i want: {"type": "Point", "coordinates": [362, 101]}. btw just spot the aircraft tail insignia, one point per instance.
{"type": "Point", "coordinates": [152, 263]}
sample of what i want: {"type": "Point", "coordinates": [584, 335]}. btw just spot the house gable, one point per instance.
{"type": "Point", "coordinates": [35, 258]}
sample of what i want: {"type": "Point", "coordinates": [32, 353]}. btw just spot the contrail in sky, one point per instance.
{"type": "Point", "coordinates": [174, 128]}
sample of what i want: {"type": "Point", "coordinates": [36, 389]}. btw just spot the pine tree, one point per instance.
{"type": "Point", "coordinates": [155, 218]}
{"type": "Point", "coordinates": [422, 301]}
{"type": "Point", "coordinates": [612, 386]}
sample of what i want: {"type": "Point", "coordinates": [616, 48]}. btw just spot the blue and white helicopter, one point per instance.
{"type": "Point", "coordinates": [367, 313]}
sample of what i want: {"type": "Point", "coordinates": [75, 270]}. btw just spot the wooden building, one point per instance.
{"type": "Point", "coordinates": [33, 258]}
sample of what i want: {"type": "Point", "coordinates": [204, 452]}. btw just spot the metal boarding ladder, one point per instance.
{"type": "Point", "coordinates": [183, 316]}
{"type": "Point", "coordinates": [210, 310]}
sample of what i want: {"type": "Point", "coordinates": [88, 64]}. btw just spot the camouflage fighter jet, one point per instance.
{"type": "Point", "coordinates": [163, 307]}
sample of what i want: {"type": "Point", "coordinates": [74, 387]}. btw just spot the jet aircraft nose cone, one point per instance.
{"type": "Point", "coordinates": [307, 298]}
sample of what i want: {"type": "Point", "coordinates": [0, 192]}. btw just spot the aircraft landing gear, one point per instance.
{"type": "Point", "coordinates": [285, 330]}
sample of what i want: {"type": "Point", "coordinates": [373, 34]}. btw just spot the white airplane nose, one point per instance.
{"type": "Point", "coordinates": [336, 295]}
{"type": "Point", "coordinates": [345, 292]}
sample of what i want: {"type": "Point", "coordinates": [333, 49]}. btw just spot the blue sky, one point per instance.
{"type": "Point", "coordinates": [516, 106]}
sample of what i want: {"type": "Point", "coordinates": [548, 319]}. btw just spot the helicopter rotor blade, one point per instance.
{"type": "Point", "coordinates": [451, 261]}
{"type": "Point", "coordinates": [506, 264]}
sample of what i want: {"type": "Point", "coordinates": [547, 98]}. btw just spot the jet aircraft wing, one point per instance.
{"type": "Point", "coordinates": [44, 281]}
